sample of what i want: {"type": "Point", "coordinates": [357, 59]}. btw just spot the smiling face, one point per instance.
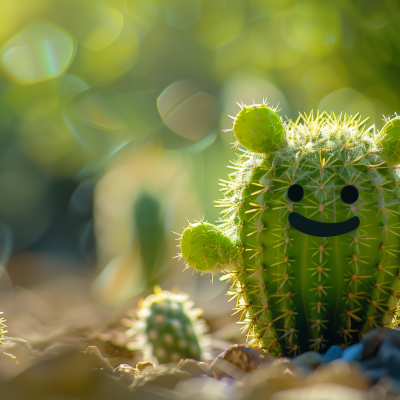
{"type": "Point", "coordinates": [349, 195]}
{"type": "Point", "coordinates": [320, 187]}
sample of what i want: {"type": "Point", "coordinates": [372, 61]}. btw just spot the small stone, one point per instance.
{"type": "Point", "coordinates": [163, 376]}
{"type": "Point", "coordinates": [265, 382]}
{"type": "Point", "coordinates": [326, 391]}
{"type": "Point", "coordinates": [195, 368]}
{"type": "Point", "coordinates": [353, 352]}
{"type": "Point", "coordinates": [142, 365]}
{"type": "Point", "coordinates": [93, 353]}
{"type": "Point", "coordinates": [309, 359]}
{"type": "Point", "coordinates": [388, 386]}
{"type": "Point", "coordinates": [333, 353]}
{"type": "Point", "coordinates": [381, 357]}
{"type": "Point", "coordinates": [339, 372]}
{"type": "Point", "coordinates": [204, 388]}
{"type": "Point", "coordinates": [245, 357]}
{"type": "Point", "coordinates": [282, 360]}
{"type": "Point", "coordinates": [126, 373]}
{"type": "Point", "coordinates": [373, 339]}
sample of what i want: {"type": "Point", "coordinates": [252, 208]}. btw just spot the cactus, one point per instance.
{"type": "Point", "coordinates": [310, 229]}
{"type": "Point", "coordinates": [2, 329]}
{"type": "Point", "coordinates": [170, 325]}
{"type": "Point", "coordinates": [149, 231]}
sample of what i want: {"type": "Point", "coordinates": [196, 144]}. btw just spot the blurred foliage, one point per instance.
{"type": "Point", "coordinates": [133, 94]}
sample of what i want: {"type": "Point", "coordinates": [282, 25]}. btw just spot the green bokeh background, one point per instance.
{"type": "Point", "coordinates": [87, 87]}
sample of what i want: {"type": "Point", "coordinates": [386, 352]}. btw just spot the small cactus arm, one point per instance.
{"type": "Point", "coordinates": [310, 232]}
{"type": "Point", "coordinates": [170, 325]}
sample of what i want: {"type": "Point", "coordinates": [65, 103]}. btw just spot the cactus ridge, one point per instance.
{"type": "Point", "coordinates": [296, 292]}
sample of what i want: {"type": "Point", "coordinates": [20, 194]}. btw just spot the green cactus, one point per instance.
{"type": "Point", "coordinates": [2, 329]}
{"type": "Point", "coordinates": [149, 230]}
{"type": "Point", "coordinates": [170, 325]}
{"type": "Point", "coordinates": [310, 230]}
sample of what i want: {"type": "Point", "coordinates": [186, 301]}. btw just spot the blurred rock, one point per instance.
{"type": "Point", "coordinates": [165, 376]}
{"type": "Point", "coordinates": [373, 340]}
{"type": "Point", "coordinates": [126, 373]}
{"type": "Point", "coordinates": [243, 357]}
{"type": "Point", "coordinates": [262, 384]}
{"type": "Point", "coordinates": [339, 372]}
{"type": "Point", "coordinates": [324, 391]}
{"type": "Point", "coordinates": [77, 374]}
{"type": "Point", "coordinates": [308, 360]}
{"type": "Point", "coordinates": [195, 368]}
{"type": "Point", "coordinates": [353, 352]}
{"type": "Point", "coordinates": [381, 355]}
{"type": "Point", "coordinates": [95, 356]}
{"type": "Point", "coordinates": [144, 366]}
{"type": "Point", "coordinates": [386, 386]}
{"type": "Point", "coordinates": [333, 353]}
{"type": "Point", "coordinates": [206, 388]}
{"type": "Point", "coordinates": [112, 342]}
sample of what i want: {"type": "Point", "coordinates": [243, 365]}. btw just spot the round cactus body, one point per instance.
{"type": "Point", "coordinates": [318, 220]}
{"type": "Point", "coordinates": [170, 325]}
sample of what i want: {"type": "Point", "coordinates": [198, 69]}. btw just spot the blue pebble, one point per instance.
{"type": "Point", "coordinates": [353, 352]}
{"type": "Point", "coordinates": [333, 353]}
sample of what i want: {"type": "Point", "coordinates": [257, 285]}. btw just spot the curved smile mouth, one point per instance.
{"type": "Point", "coordinates": [322, 229]}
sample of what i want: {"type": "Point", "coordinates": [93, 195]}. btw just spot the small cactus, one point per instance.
{"type": "Point", "coordinates": [310, 231]}
{"type": "Point", "coordinates": [170, 325]}
{"type": "Point", "coordinates": [2, 329]}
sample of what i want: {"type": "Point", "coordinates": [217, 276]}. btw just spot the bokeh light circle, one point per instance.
{"type": "Point", "coordinates": [39, 52]}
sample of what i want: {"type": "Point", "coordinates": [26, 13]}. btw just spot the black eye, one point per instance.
{"type": "Point", "coordinates": [295, 192]}
{"type": "Point", "coordinates": [349, 194]}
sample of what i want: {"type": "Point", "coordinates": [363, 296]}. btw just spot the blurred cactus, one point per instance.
{"type": "Point", "coordinates": [2, 329]}
{"type": "Point", "coordinates": [143, 197]}
{"type": "Point", "coordinates": [168, 322]}
{"type": "Point", "coordinates": [149, 230]}
{"type": "Point", "coordinates": [328, 273]}
{"type": "Point", "coordinates": [130, 272]}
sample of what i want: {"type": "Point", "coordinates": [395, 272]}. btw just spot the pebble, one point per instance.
{"type": "Point", "coordinates": [381, 356]}
{"type": "Point", "coordinates": [339, 372]}
{"type": "Point", "coordinates": [354, 352]}
{"type": "Point", "coordinates": [264, 383]}
{"type": "Point", "coordinates": [237, 359]}
{"type": "Point", "coordinates": [195, 368]}
{"type": "Point", "coordinates": [308, 360]}
{"type": "Point", "coordinates": [245, 357]}
{"type": "Point", "coordinates": [126, 373]}
{"type": "Point", "coordinates": [373, 340]}
{"type": "Point", "coordinates": [326, 391]}
{"type": "Point", "coordinates": [333, 353]}
{"type": "Point", "coordinates": [164, 376]}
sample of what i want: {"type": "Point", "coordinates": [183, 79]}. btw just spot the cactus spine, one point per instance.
{"type": "Point", "coordinates": [170, 325]}
{"type": "Point", "coordinates": [310, 230]}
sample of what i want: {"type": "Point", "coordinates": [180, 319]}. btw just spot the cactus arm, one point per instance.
{"type": "Point", "coordinates": [259, 129]}
{"type": "Point", "coordinates": [388, 138]}
{"type": "Point", "coordinates": [207, 248]}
